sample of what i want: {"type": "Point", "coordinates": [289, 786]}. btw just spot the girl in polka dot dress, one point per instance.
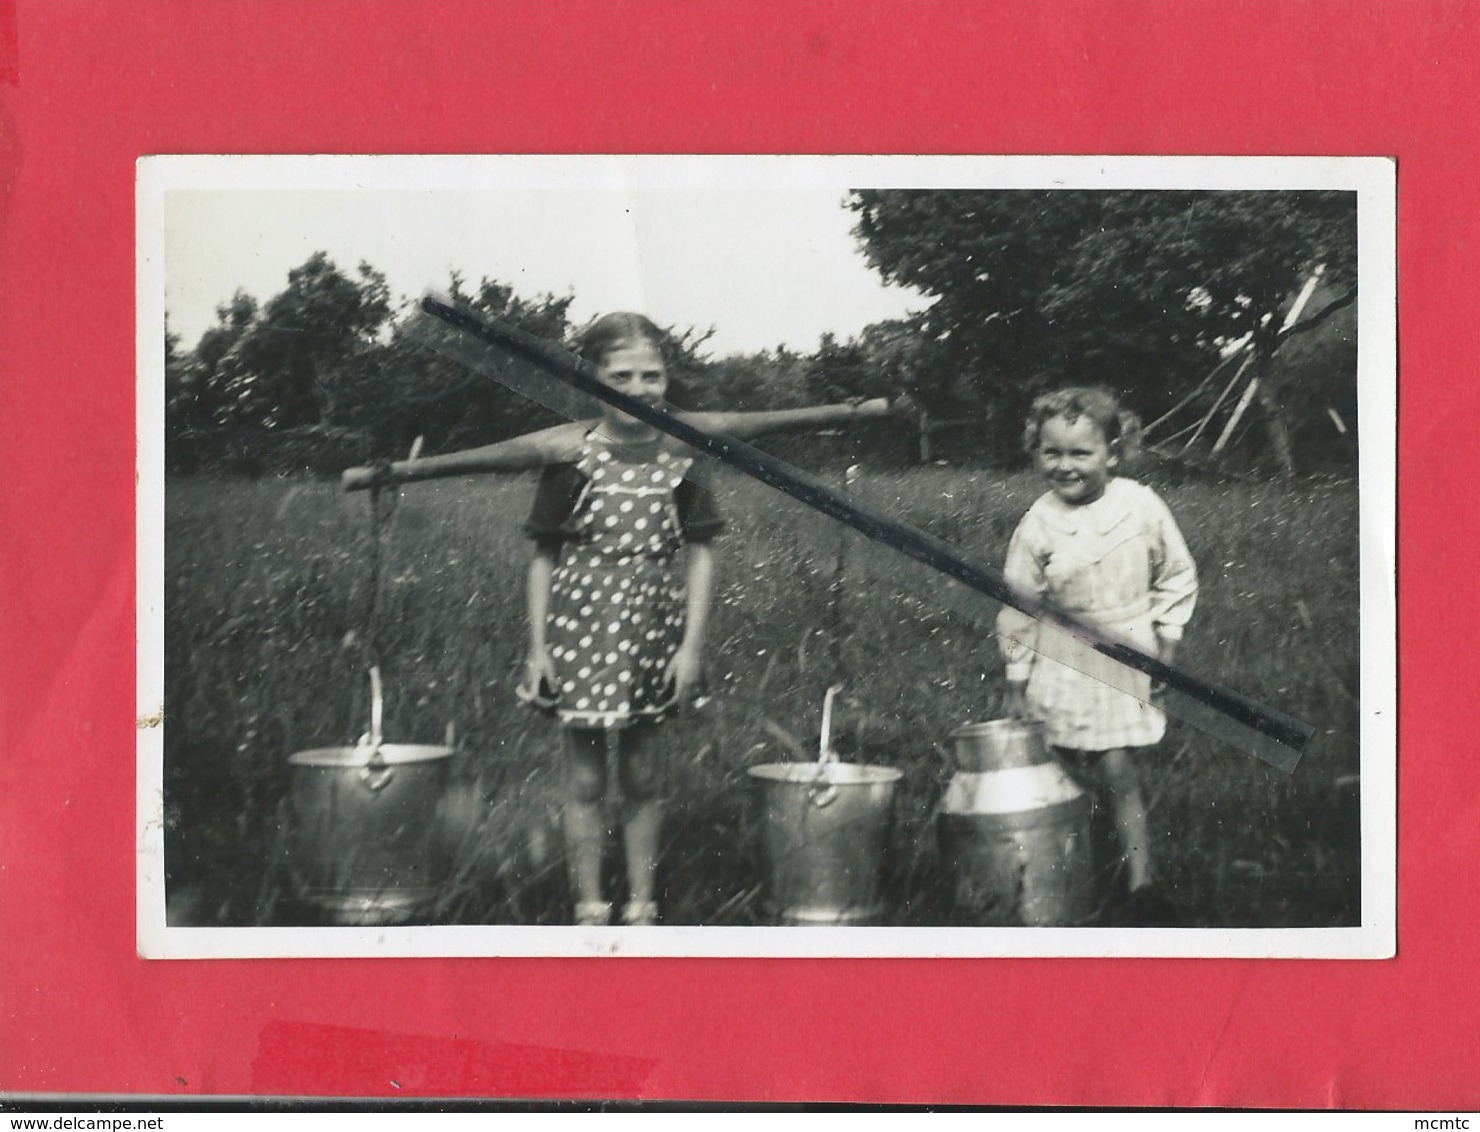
{"type": "Point", "coordinates": [618, 598]}
{"type": "Point", "coordinates": [618, 588]}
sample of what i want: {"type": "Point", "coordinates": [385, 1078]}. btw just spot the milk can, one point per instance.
{"type": "Point", "coordinates": [1014, 831]}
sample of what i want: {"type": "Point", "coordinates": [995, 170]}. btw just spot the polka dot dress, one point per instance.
{"type": "Point", "coordinates": [616, 613]}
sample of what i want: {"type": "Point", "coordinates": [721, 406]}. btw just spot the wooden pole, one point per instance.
{"type": "Point", "coordinates": [1238, 413]}
{"type": "Point", "coordinates": [1179, 434]}
{"type": "Point", "coordinates": [562, 442]}
{"type": "Point", "coordinates": [1227, 389]}
{"type": "Point", "coordinates": [1290, 316]}
{"type": "Point", "coordinates": [1198, 388]}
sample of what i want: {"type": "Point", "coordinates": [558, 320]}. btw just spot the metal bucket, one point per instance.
{"type": "Point", "coordinates": [823, 830]}
{"type": "Point", "coordinates": [1014, 831]}
{"type": "Point", "coordinates": [361, 829]}
{"type": "Point", "coordinates": [361, 825]}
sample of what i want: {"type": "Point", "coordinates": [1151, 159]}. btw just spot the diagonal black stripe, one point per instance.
{"type": "Point", "coordinates": [1262, 731]}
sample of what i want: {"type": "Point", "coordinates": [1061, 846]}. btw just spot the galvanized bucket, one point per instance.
{"type": "Point", "coordinates": [361, 825]}
{"type": "Point", "coordinates": [823, 830]}
{"type": "Point", "coordinates": [1014, 831]}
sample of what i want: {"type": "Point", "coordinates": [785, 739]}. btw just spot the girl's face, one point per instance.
{"type": "Point", "coordinates": [635, 368]}
{"type": "Point", "coordinates": [1075, 458]}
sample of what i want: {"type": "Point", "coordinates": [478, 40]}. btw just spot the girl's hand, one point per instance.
{"type": "Point", "coordinates": [539, 685]}
{"type": "Point", "coordinates": [1015, 704]}
{"type": "Point", "coordinates": [874, 407]}
{"type": "Point", "coordinates": [1166, 652]}
{"type": "Point", "coordinates": [682, 675]}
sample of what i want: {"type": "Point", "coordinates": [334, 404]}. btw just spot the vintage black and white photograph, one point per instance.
{"type": "Point", "coordinates": [767, 556]}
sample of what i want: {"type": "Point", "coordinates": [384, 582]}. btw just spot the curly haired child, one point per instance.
{"type": "Point", "coordinates": [1107, 549]}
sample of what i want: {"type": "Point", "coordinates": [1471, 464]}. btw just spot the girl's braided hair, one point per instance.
{"type": "Point", "coordinates": [1120, 427]}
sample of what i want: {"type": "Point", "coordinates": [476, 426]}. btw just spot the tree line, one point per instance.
{"type": "Point", "coordinates": [1148, 293]}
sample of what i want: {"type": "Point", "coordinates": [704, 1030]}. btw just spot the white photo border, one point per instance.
{"type": "Point", "coordinates": [1373, 179]}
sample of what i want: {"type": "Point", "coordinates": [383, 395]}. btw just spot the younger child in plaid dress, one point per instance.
{"type": "Point", "coordinates": [1105, 548]}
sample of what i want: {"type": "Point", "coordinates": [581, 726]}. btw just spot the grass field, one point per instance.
{"type": "Point", "coordinates": [269, 589]}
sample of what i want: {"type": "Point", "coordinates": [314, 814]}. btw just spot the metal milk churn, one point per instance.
{"type": "Point", "coordinates": [1014, 831]}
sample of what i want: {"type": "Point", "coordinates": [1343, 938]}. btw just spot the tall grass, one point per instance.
{"type": "Point", "coordinates": [270, 588]}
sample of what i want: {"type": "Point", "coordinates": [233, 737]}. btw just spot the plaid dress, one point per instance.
{"type": "Point", "coordinates": [1121, 564]}
{"type": "Point", "coordinates": [616, 614]}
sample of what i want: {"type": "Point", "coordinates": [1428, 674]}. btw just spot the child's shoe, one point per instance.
{"type": "Point", "coordinates": [593, 913]}
{"type": "Point", "coordinates": [640, 913]}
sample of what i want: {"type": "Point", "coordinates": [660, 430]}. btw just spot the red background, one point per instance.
{"type": "Point", "coordinates": [88, 87]}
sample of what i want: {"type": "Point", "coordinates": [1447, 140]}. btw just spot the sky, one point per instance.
{"type": "Point", "coordinates": [762, 265]}
{"type": "Point", "coordinates": [760, 247]}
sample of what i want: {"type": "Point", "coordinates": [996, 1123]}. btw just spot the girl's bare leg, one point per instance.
{"type": "Point", "coordinates": [640, 770]}
{"type": "Point", "coordinates": [585, 823]}
{"type": "Point", "coordinates": [1124, 784]}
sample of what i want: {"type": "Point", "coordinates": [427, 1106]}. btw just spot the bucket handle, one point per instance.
{"type": "Point", "coordinates": [823, 793]}
{"type": "Point", "coordinates": [377, 708]}
{"type": "Point", "coordinates": [375, 774]}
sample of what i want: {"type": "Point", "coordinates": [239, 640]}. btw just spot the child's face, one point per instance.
{"type": "Point", "coordinates": [1075, 458]}
{"type": "Point", "coordinates": [635, 368]}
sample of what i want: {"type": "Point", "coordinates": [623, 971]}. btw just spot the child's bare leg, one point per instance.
{"type": "Point", "coordinates": [1119, 774]}
{"type": "Point", "coordinates": [585, 824]}
{"type": "Point", "coordinates": [640, 772]}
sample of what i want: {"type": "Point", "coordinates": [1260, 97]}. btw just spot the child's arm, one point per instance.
{"type": "Point", "coordinates": [683, 670]}
{"type": "Point", "coordinates": [748, 426]}
{"type": "Point", "coordinates": [1173, 581]}
{"type": "Point", "coordinates": [539, 675]}
{"type": "Point", "coordinates": [1173, 584]}
{"type": "Point", "coordinates": [1017, 633]}
{"type": "Point", "coordinates": [557, 445]}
